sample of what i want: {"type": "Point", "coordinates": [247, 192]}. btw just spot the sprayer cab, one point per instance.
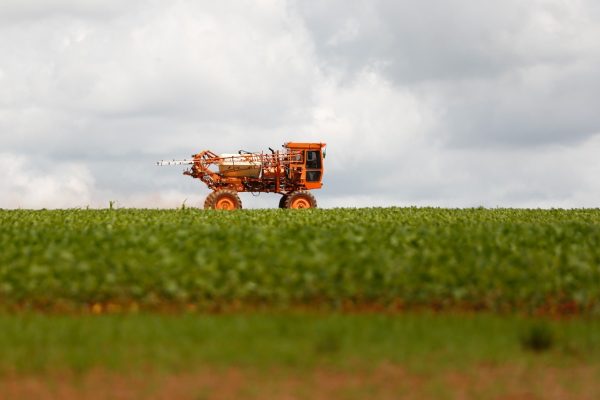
{"type": "Point", "coordinates": [307, 169]}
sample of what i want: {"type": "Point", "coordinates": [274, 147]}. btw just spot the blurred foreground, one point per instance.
{"type": "Point", "coordinates": [298, 356]}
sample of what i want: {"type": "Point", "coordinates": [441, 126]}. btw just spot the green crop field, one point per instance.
{"type": "Point", "coordinates": [394, 258]}
{"type": "Point", "coordinates": [343, 303]}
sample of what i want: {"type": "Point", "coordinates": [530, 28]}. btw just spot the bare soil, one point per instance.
{"type": "Point", "coordinates": [387, 381]}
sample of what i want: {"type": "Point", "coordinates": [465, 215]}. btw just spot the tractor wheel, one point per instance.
{"type": "Point", "coordinates": [224, 199]}
{"type": "Point", "coordinates": [300, 199]}
{"type": "Point", "coordinates": [282, 201]}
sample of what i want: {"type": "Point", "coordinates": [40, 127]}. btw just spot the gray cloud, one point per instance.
{"type": "Point", "coordinates": [502, 73]}
{"type": "Point", "coordinates": [432, 40]}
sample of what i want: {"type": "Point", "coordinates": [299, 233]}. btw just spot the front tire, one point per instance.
{"type": "Point", "coordinates": [300, 200]}
{"type": "Point", "coordinates": [224, 199]}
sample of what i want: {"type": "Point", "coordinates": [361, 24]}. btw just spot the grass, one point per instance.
{"type": "Point", "coordinates": [37, 343]}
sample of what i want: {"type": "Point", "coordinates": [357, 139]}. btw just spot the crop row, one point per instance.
{"type": "Point", "coordinates": [498, 259]}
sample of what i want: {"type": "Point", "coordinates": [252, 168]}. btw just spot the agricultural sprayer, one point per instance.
{"type": "Point", "coordinates": [292, 173]}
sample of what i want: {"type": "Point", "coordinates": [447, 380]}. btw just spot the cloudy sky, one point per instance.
{"type": "Point", "coordinates": [439, 102]}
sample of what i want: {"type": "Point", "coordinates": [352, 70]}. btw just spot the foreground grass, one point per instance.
{"type": "Point", "coordinates": [394, 258]}
{"type": "Point", "coordinates": [35, 343]}
{"type": "Point", "coordinates": [297, 356]}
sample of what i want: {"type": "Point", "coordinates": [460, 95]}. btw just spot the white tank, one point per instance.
{"type": "Point", "coordinates": [237, 165]}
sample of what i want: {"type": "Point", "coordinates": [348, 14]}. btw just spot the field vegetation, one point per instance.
{"type": "Point", "coordinates": [384, 259]}
{"type": "Point", "coordinates": [420, 303]}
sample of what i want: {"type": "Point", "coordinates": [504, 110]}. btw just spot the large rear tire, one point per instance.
{"type": "Point", "coordinates": [300, 200]}
{"type": "Point", "coordinates": [224, 199]}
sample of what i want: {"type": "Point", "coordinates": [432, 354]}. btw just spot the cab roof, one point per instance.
{"type": "Point", "coordinates": [304, 145]}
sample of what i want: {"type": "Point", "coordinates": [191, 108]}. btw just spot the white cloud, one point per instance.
{"type": "Point", "coordinates": [27, 184]}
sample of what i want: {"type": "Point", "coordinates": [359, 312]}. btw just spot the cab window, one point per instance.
{"type": "Point", "coordinates": [313, 160]}
{"type": "Point", "coordinates": [313, 176]}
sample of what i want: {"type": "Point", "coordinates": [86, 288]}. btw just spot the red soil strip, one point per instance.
{"type": "Point", "coordinates": [552, 308]}
{"type": "Point", "coordinates": [508, 382]}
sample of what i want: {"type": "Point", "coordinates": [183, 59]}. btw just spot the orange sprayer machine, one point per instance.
{"type": "Point", "coordinates": [291, 172]}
